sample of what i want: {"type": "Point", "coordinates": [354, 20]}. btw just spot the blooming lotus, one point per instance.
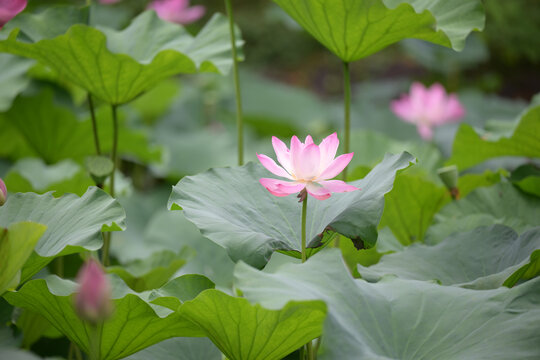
{"type": "Point", "coordinates": [177, 11]}
{"type": "Point", "coordinates": [428, 108]}
{"type": "Point", "coordinates": [9, 9]}
{"type": "Point", "coordinates": [93, 300]}
{"type": "Point", "coordinates": [3, 193]}
{"type": "Point", "coordinates": [307, 166]}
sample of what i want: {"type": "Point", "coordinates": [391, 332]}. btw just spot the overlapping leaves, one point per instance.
{"type": "Point", "coordinates": [483, 258]}
{"type": "Point", "coordinates": [116, 66]}
{"type": "Point", "coordinates": [73, 223]}
{"type": "Point", "coordinates": [135, 324]}
{"type": "Point", "coordinates": [403, 319]}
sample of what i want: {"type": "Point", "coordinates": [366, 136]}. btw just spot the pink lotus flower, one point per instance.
{"type": "Point", "coordinates": [177, 11]}
{"type": "Point", "coordinates": [9, 9]}
{"type": "Point", "coordinates": [428, 108]}
{"type": "Point", "coordinates": [93, 301]}
{"type": "Point", "coordinates": [3, 192]}
{"type": "Point", "coordinates": [308, 166]}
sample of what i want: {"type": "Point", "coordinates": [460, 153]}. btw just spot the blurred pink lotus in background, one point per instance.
{"type": "Point", "coordinates": [428, 108]}
{"type": "Point", "coordinates": [9, 9]}
{"type": "Point", "coordinates": [177, 11]}
{"type": "Point", "coordinates": [308, 166]}
{"type": "Point", "coordinates": [93, 300]}
{"type": "Point", "coordinates": [3, 192]}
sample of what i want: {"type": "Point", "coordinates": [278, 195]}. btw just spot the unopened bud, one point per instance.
{"type": "Point", "coordinates": [449, 176]}
{"type": "Point", "coordinates": [3, 193]}
{"type": "Point", "coordinates": [93, 300]}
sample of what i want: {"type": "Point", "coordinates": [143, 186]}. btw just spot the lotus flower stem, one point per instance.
{"type": "Point", "coordinates": [94, 123]}
{"type": "Point", "coordinates": [114, 159]}
{"type": "Point", "coordinates": [95, 341]}
{"type": "Point", "coordinates": [347, 102]}
{"type": "Point", "coordinates": [114, 153]}
{"type": "Point", "coordinates": [304, 213]}
{"type": "Point", "coordinates": [239, 115]}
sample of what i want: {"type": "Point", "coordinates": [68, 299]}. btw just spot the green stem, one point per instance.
{"type": "Point", "coordinates": [347, 101]}
{"type": "Point", "coordinates": [114, 153]}
{"type": "Point", "coordinates": [114, 159]}
{"type": "Point", "coordinates": [239, 115]}
{"type": "Point", "coordinates": [309, 350]}
{"type": "Point", "coordinates": [95, 342]}
{"type": "Point", "coordinates": [304, 214]}
{"type": "Point", "coordinates": [94, 123]}
{"type": "Point", "coordinates": [60, 266]}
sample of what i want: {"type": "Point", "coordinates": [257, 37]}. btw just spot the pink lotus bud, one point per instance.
{"type": "Point", "coordinates": [9, 9]}
{"type": "Point", "coordinates": [428, 108]}
{"type": "Point", "coordinates": [308, 166]}
{"type": "Point", "coordinates": [3, 193]}
{"type": "Point", "coordinates": [177, 11]}
{"type": "Point", "coordinates": [93, 300]}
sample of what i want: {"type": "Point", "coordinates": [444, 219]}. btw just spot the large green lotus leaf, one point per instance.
{"type": "Point", "coordinates": [403, 319]}
{"type": "Point", "coordinates": [180, 349]}
{"type": "Point", "coordinates": [410, 207]}
{"type": "Point", "coordinates": [498, 204]}
{"type": "Point", "coordinates": [16, 244]}
{"type": "Point", "coordinates": [13, 78]}
{"type": "Point", "coordinates": [116, 66]}
{"type": "Point", "coordinates": [231, 208]}
{"type": "Point", "coordinates": [73, 223]}
{"type": "Point", "coordinates": [249, 332]}
{"type": "Point", "coordinates": [33, 175]}
{"type": "Point", "coordinates": [134, 325]}
{"type": "Point", "coordinates": [481, 259]}
{"type": "Point", "coordinates": [354, 29]}
{"type": "Point", "coordinates": [152, 272]}
{"type": "Point", "coordinates": [471, 148]}
{"type": "Point", "coordinates": [54, 133]}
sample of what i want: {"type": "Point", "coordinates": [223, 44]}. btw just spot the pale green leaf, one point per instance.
{"type": "Point", "coordinates": [481, 259]}
{"type": "Point", "coordinates": [231, 208]}
{"type": "Point", "coordinates": [73, 223]}
{"type": "Point", "coordinates": [403, 319]}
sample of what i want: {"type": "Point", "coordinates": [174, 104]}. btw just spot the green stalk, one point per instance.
{"type": "Point", "coordinates": [95, 341]}
{"type": "Point", "coordinates": [347, 101]}
{"type": "Point", "coordinates": [114, 153]}
{"type": "Point", "coordinates": [94, 124]}
{"type": "Point", "coordinates": [114, 159]}
{"type": "Point", "coordinates": [309, 349]}
{"type": "Point", "coordinates": [239, 115]}
{"type": "Point", "coordinates": [304, 213]}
